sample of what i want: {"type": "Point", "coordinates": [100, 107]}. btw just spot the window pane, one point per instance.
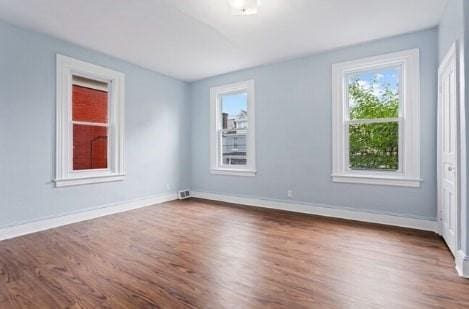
{"type": "Point", "coordinates": [234, 125]}
{"type": "Point", "coordinates": [234, 108]}
{"type": "Point", "coordinates": [234, 148]}
{"type": "Point", "coordinates": [89, 104]}
{"type": "Point", "coordinates": [89, 147]}
{"type": "Point", "coordinates": [374, 146]}
{"type": "Point", "coordinates": [374, 94]}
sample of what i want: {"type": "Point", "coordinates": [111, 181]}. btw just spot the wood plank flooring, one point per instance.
{"type": "Point", "coordinates": [201, 254]}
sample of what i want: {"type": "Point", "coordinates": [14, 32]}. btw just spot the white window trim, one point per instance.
{"type": "Point", "coordinates": [215, 105]}
{"type": "Point", "coordinates": [65, 175]}
{"type": "Point", "coordinates": [409, 117]}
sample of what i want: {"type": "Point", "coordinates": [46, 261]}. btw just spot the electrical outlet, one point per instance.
{"type": "Point", "coordinates": [290, 193]}
{"type": "Point", "coordinates": [168, 186]}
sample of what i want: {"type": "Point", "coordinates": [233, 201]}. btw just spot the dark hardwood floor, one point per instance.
{"type": "Point", "coordinates": [201, 254]}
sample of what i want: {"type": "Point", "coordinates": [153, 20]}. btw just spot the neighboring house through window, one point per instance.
{"type": "Point", "coordinates": [232, 129]}
{"type": "Point", "coordinates": [90, 123]}
{"type": "Point", "coordinates": [376, 120]}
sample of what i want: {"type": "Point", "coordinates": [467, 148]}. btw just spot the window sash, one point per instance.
{"type": "Point", "coordinates": [347, 121]}
{"type": "Point", "coordinates": [108, 145]}
{"type": "Point", "coordinates": [401, 143]}
{"type": "Point", "coordinates": [221, 145]}
{"type": "Point", "coordinates": [93, 124]}
{"type": "Point", "coordinates": [401, 88]}
{"type": "Point", "coordinates": [220, 163]}
{"type": "Point", "coordinates": [373, 120]}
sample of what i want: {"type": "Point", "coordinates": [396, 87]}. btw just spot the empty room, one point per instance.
{"type": "Point", "coordinates": [234, 154]}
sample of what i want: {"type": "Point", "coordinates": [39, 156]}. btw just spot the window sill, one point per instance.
{"type": "Point", "coordinates": [76, 181]}
{"type": "Point", "coordinates": [377, 180]}
{"type": "Point", "coordinates": [232, 172]}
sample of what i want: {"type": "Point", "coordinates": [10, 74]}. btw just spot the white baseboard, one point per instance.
{"type": "Point", "coordinates": [325, 210]}
{"type": "Point", "coordinates": [462, 264]}
{"type": "Point", "coordinates": [104, 210]}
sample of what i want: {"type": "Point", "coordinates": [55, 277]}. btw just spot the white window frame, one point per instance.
{"type": "Point", "coordinates": [408, 173]}
{"type": "Point", "coordinates": [216, 166]}
{"type": "Point", "coordinates": [65, 175]}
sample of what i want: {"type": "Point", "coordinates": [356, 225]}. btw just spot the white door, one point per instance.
{"type": "Point", "coordinates": [447, 148]}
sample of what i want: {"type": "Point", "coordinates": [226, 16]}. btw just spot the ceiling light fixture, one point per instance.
{"type": "Point", "coordinates": [243, 7]}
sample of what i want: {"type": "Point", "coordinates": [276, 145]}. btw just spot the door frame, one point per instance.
{"type": "Point", "coordinates": [451, 55]}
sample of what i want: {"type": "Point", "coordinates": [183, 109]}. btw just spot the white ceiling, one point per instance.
{"type": "Point", "coordinates": [194, 39]}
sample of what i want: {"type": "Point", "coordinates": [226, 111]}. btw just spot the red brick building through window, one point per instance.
{"type": "Point", "coordinates": [90, 124]}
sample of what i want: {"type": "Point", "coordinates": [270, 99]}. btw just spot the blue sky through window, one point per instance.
{"type": "Point", "coordinates": [378, 80]}
{"type": "Point", "coordinates": [233, 104]}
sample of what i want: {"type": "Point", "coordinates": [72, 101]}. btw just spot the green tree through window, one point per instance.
{"type": "Point", "coordinates": [374, 125]}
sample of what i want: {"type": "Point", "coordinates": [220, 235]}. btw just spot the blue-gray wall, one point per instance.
{"type": "Point", "coordinates": [293, 133]}
{"type": "Point", "coordinates": [167, 132]}
{"type": "Point", "coordinates": [451, 27]}
{"type": "Point", "coordinates": [157, 149]}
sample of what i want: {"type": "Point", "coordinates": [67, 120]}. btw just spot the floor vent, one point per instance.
{"type": "Point", "coordinates": [183, 194]}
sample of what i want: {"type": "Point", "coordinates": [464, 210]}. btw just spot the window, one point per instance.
{"type": "Point", "coordinates": [90, 124]}
{"type": "Point", "coordinates": [232, 129]}
{"type": "Point", "coordinates": [376, 120]}
{"type": "Point", "coordinates": [90, 101]}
